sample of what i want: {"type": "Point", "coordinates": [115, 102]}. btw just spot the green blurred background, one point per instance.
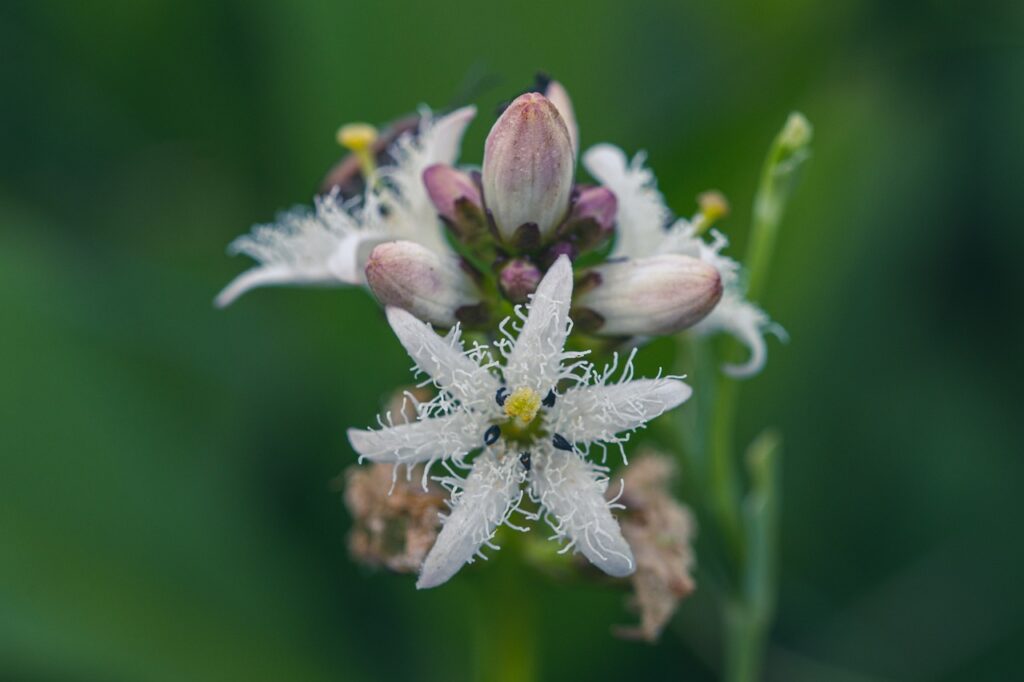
{"type": "Point", "coordinates": [166, 510]}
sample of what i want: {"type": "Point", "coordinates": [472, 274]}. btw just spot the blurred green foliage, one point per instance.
{"type": "Point", "coordinates": [166, 510]}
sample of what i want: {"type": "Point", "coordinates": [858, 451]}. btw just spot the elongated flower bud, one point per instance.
{"type": "Point", "coordinates": [528, 170]}
{"type": "Point", "coordinates": [431, 286]}
{"type": "Point", "coordinates": [648, 296]}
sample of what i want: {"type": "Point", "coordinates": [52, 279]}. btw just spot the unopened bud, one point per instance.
{"type": "Point", "coordinates": [592, 219]}
{"type": "Point", "coordinates": [649, 296]}
{"type": "Point", "coordinates": [519, 278]}
{"type": "Point", "coordinates": [410, 276]}
{"type": "Point", "coordinates": [528, 168]}
{"type": "Point", "coordinates": [797, 132]}
{"type": "Point", "coordinates": [446, 185]}
{"type": "Point", "coordinates": [558, 95]}
{"type": "Point", "coordinates": [457, 199]}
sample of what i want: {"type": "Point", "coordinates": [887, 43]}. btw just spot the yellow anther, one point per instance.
{"type": "Point", "coordinates": [523, 404]}
{"type": "Point", "coordinates": [359, 138]}
{"type": "Point", "coordinates": [713, 207]}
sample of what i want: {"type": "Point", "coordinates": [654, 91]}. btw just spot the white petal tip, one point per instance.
{"type": "Point", "coordinates": [435, 573]}
{"type": "Point", "coordinates": [677, 393]}
{"type": "Point", "coordinates": [399, 317]}
{"type": "Point", "coordinates": [617, 563]}
{"type": "Point", "coordinates": [427, 583]}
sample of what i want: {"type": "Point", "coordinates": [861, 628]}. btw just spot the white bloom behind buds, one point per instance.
{"type": "Point", "coordinates": [647, 296]}
{"type": "Point", "coordinates": [412, 277]}
{"type": "Point", "coordinates": [528, 168]}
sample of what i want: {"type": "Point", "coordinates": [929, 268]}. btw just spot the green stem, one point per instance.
{"type": "Point", "coordinates": [744, 644]}
{"type": "Point", "coordinates": [723, 481]}
{"type": "Point", "coordinates": [506, 643]}
{"type": "Point", "coordinates": [750, 532]}
{"type": "Point", "coordinates": [778, 177]}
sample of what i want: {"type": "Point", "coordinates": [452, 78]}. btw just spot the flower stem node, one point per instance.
{"type": "Point", "coordinates": [649, 296]}
{"type": "Point", "coordinates": [528, 170]}
{"type": "Point", "coordinates": [431, 286]}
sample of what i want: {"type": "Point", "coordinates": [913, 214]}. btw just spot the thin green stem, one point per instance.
{"type": "Point", "coordinates": [749, 528]}
{"type": "Point", "coordinates": [778, 177]}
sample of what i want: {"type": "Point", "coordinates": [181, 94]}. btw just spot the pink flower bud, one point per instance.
{"type": "Point", "coordinates": [528, 167]}
{"type": "Point", "coordinates": [431, 286]}
{"type": "Point", "coordinates": [519, 278]}
{"type": "Point", "coordinates": [649, 296]}
{"type": "Point", "coordinates": [446, 186]}
{"type": "Point", "coordinates": [592, 219]}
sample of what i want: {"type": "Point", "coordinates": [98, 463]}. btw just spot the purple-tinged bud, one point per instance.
{"type": "Point", "coordinates": [649, 296]}
{"type": "Point", "coordinates": [528, 167]}
{"type": "Point", "coordinates": [456, 196]}
{"type": "Point", "coordinates": [558, 249]}
{"type": "Point", "coordinates": [592, 219]}
{"type": "Point", "coordinates": [558, 95]}
{"type": "Point", "coordinates": [445, 186]}
{"type": "Point", "coordinates": [431, 286]}
{"type": "Point", "coordinates": [598, 204]}
{"type": "Point", "coordinates": [519, 278]}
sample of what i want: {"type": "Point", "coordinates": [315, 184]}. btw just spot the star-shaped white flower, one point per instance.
{"type": "Point", "coordinates": [533, 419]}
{"type": "Point", "coordinates": [642, 217]}
{"type": "Point", "coordinates": [329, 245]}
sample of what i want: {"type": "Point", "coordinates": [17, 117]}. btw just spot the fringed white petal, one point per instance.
{"type": "Point", "coordinates": [598, 413]}
{"type": "Point", "coordinates": [571, 490]}
{"type": "Point", "coordinates": [748, 324]}
{"type": "Point", "coordinates": [481, 503]}
{"type": "Point", "coordinates": [642, 214]}
{"type": "Point", "coordinates": [535, 359]}
{"type": "Point", "coordinates": [449, 436]}
{"type": "Point", "coordinates": [443, 359]}
{"type": "Point", "coordinates": [411, 215]}
{"type": "Point", "coordinates": [297, 249]}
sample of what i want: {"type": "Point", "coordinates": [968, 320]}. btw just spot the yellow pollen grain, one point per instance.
{"type": "Point", "coordinates": [523, 404]}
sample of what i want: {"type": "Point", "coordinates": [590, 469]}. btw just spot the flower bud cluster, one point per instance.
{"type": "Point", "coordinates": [511, 220]}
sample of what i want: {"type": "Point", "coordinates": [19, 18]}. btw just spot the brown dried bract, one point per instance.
{"type": "Point", "coordinates": [394, 530]}
{"type": "Point", "coordinates": [659, 530]}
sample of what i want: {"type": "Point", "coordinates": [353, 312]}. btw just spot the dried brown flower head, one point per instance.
{"type": "Point", "coordinates": [660, 530]}
{"type": "Point", "coordinates": [393, 530]}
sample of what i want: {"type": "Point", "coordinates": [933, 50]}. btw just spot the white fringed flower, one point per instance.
{"type": "Point", "coordinates": [642, 218]}
{"type": "Point", "coordinates": [535, 416]}
{"type": "Point", "coordinates": [329, 244]}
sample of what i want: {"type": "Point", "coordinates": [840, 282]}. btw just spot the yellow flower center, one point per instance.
{"type": "Point", "coordinates": [523, 404]}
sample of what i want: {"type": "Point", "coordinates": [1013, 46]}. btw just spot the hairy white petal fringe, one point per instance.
{"type": "Point", "coordinates": [572, 492]}
{"type": "Point", "coordinates": [482, 502]}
